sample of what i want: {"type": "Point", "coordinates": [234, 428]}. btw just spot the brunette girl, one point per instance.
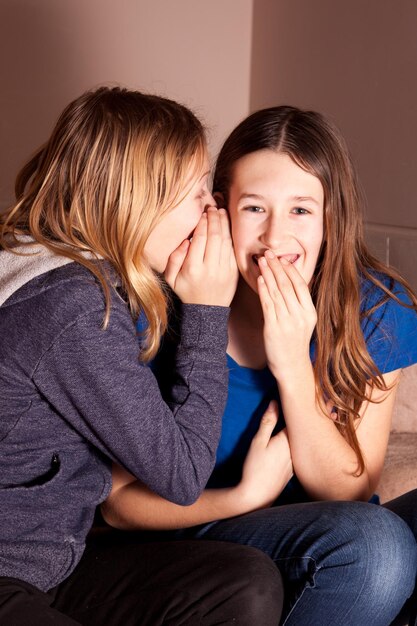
{"type": "Point", "coordinates": [321, 326]}
{"type": "Point", "coordinates": [103, 208]}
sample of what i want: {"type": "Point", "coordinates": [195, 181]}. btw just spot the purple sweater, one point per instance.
{"type": "Point", "coordinates": [73, 397]}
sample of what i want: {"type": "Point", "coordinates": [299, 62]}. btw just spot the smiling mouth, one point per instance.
{"type": "Point", "coordinates": [292, 258]}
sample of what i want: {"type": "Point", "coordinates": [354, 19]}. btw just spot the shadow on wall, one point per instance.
{"type": "Point", "coordinates": [36, 62]}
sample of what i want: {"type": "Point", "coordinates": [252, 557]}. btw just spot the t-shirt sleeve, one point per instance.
{"type": "Point", "coordinates": [391, 331]}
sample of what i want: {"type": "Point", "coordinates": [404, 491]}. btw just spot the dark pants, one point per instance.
{"type": "Point", "coordinates": [406, 507]}
{"type": "Point", "coordinates": [120, 582]}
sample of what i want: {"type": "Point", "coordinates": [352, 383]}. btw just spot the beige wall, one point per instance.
{"type": "Point", "coordinates": [354, 60]}
{"type": "Point", "coordinates": [52, 50]}
{"type": "Point", "coordinates": [357, 62]}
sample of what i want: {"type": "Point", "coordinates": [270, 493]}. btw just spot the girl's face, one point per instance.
{"type": "Point", "coordinates": [179, 222]}
{"type": "Point", "coordinates": [275, 204]}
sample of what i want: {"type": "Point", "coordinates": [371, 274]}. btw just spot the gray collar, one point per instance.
{"type": "Point", "coordinates": [31, 261]}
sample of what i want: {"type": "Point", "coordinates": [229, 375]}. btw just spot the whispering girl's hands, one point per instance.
{"type": "Point", "coordinates": [204, 271]}
{"type": "Point", "coordinates": [289, 315]}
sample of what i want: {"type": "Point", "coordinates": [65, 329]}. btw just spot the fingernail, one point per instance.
{"type": "Point", "coordinates": [262, 261]}
{"type": "Point", "coordinates": [269, 254]}
{"type": "Point", "coordinates": [284, 261]}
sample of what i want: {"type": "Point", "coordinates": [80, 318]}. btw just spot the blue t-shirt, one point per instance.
{"type": "Point", "coordinates": [391, 337]}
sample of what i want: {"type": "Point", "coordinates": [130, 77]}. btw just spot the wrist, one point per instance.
{"type": "Point", "coordinates": [246, 498]}
{"type": "Point", "coordinates": [298, 376]}
{"type": "Point", "coordinates": [241, 499]}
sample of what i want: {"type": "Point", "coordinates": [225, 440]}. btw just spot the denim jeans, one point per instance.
{"type": "Point", "coordinates": [350, 563]}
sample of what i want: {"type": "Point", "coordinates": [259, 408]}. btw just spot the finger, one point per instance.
{"type": "Point", "coordinates": [334, 414]}
{"type": "Point", "coordinates": [198, 242]}
{"type": "Point", "coordinates": [300, 286]}
{"type": "Point", "coordinates": [283, 281]}
{"type": "Point", "coordinates": [175, 263]}
{"type": "Point", "coordinates": [227, 252]}
{"type": "Point", "coordinates": [214, 237]}
{"type": "Point", "coordinates": [272, 286]}
{"type": "Point", "coordinates": [268, 422]}
{"type": "Point", "coordinates": [224, 224]}
{"type": "Point", "coordinates": [267, 304]}
{"type": "Point", "coordinates": [330, 410]}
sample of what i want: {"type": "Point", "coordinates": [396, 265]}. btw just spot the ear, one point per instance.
{"type": "Point", "coordinates": [219, 198]}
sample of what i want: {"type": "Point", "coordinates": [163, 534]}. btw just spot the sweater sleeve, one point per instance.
{"type": "Point", "coordinates": [94, 379]}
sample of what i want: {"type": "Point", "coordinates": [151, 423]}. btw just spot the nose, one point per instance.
{"type": "Point", "coordinates": [209, 200]}
{"type": "Point", "coordinates": [275, 234]}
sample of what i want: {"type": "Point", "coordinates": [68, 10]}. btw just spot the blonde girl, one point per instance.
{"type": "Point", "coordinates": [320, 326]}
{"type": "Point", "coordinates": [103, 209]}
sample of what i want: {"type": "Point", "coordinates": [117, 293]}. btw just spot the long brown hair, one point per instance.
{"type": "Point", "coordinates": [343, 366]}
{"type": "Point", "coordinates": [114, 163]}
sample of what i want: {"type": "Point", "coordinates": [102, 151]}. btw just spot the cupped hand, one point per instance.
{"type": "Point", "coordinates": [268, 465]}
{"type": "Point", "coordinates": [204, 270]}
{"type": "Point", "coordinates": [289, 315]}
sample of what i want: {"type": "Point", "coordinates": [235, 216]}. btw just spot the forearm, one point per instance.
{"type": "Point", "coordinates": [134, 506]}
{"type": "Point", "coordinates": [325, 463]}
{"type": "Point", "coordinates": [323, 460]}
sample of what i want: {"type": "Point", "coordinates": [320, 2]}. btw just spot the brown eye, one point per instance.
{"type": "Point", "coordinates": [254, 209]}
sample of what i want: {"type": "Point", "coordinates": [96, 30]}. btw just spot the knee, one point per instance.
{"type": "Point", "coordinates": [258, 587]}
{"type": "Point", "coordinates": [391, 550]}
{"type": "Point", "coordinates": [381, 550]}
{"type": "Point", "coordinates": [367, 557]}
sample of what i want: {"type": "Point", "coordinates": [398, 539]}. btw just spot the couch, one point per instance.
{"type": "Point", "coordinates": [400, 470]}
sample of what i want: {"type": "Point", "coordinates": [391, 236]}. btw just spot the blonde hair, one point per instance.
{"type": "Point", "coordinates": [343, 366]}
{"type": "Point", "coordinates": [115, 162]}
